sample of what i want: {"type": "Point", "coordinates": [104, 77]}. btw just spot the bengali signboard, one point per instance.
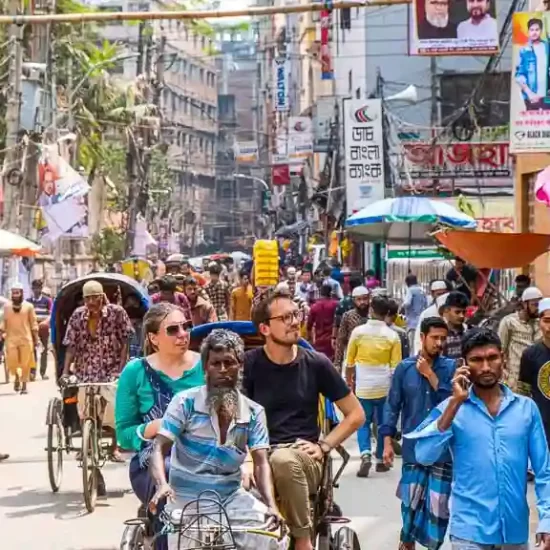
{"type": "Point", "coordinates": [423, 160]}
{"type": "Point", "coordinates": [246, 152]}
{"type": "Point", "coordinates": [323, 115]}
{"type": "Point", "coordinates": [530, 90]}
{"type": "Point", "coordinates": [364, 153]}
{"type": "Point", "coordinates": [442, 27]}
{"type": "Point", "coordinates": [300, 137]}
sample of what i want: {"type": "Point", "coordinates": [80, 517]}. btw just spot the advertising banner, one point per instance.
{"type": "Point", "coordinates": [323, 114]}
{"type": "Point", "coordinates": [246, 152]}
{"type": "Point", "coordinates": [300, 137]}
{"type": "Point", "coordinates": [530, 93]}
{"type": "Point", "coordinates": [281, 79]}
{"type": "Point", "coordinates": [442, 27]}
{"type": "Point", "coordinates": [364, 153]}
{"type": "Point", "coordinates": [446, 159]}
{"type": "Point", "coordinates": [327, 71]}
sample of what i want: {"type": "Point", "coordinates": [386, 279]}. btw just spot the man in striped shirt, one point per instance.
{"type": "Point", "coordinates": [212, 429]}
{"type": "Point", "coordinates": [374, 351]}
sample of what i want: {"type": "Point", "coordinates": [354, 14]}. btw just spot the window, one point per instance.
{"type": "Point", "coordinates": [201, 145]}
{"type": "Point", "coordinates": [201, 76]}
{"type": "Point", "coordinates": [345, 18]}
{"type": "Point", "coordinates": [494, 89]}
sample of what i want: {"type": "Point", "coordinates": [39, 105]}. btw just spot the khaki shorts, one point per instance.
{"type": "Point", "coordinates": [109, 394]}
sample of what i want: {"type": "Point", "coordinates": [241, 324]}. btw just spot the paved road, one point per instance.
{"type": "Point", "coordinates": [33, 517]}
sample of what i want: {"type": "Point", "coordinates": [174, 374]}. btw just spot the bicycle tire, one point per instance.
{"type": "Point", "coordinates": [56, 436]}
{"type": "Point", "coordinates": [89, 464]}
{"type": "Point", "coordinates": [133, 538]}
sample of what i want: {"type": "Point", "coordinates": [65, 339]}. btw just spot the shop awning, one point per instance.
{"type": "Point", "coordinates": [495, 250]}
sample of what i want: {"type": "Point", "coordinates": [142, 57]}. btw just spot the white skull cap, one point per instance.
{"type": "Point", "coordinates": [531, 293]}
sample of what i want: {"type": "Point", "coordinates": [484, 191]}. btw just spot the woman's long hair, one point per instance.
{"type": "Point", "coordinates": [152, 321]}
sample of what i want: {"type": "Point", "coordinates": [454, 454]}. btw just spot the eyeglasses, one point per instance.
{"type": "Point", "coordinates": [175, 329]}
{"type": "Point", "coordinates": [288, 318]}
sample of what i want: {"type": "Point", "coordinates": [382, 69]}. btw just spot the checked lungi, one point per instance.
{"type": "Point", "coordinates": [424, 492]}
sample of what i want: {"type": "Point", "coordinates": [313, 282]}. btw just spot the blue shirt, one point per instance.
{"type": "Point", "coordinates": [490, 458]}
{"type": "Point", "coordinates": [415, 303]}
{"type": "Point", "coordinates": [412, 396]}
{"type": "Point", "coordinates": [200, 462]}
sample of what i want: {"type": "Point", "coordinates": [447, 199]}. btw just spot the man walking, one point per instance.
{"type": "Point", "coordinates": [20, 329]}
{"type": "Point", "coordinates": [491, 433]}
{"type": "Point", "coordinates": [357, 316]}
{"type": "Point", "coordinates": [321, 320]}
{"type": "Point", "coordinates": [534, 373]}
{"type": "Point", "coordinates": [517, 332]}
{"type": "Point", "coordinates": [218, 292]}
{"type": "Point", "coordinates": [241, 299]}
{"type": "Point", "coordinates": [43, 307]}
{"type": "Point", "coordinates": [374, 351]}
{"type": "Point", "coordinates": [418, 385]}
{"type": "Point", "coordinates": [413, 306]}
{"type": "Point", "coordinates": [453, 312]}
{"type": "Point", "coordinates": [202, 311]}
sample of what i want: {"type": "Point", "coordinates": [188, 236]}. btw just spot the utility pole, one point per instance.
{"type": "Point", "coordinates": [12, 176]}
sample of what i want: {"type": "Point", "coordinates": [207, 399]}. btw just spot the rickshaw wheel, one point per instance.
{"type": "Point", "coordinates": [345, 539]}
{"type": "Point", "coordinates": [133, 538]}
{"type": "Point", "coordinates": [56, 438]}
{"type": "Point", "coordinates": [89, 464]}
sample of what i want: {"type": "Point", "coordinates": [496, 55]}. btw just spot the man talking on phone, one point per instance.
{"type": "Point", "coordinates": [418, 385]}
{"type": "Point", "coordinates": [491, 433]}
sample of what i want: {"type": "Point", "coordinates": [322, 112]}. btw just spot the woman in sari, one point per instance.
{"type": "Point", "coordinates": [146, 387]}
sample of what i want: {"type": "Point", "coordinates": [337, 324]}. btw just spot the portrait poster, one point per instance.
{"type": "Point", "coordinates": [443, 27]}
{"type": "Point", "coordinates": [364, 152]}
{"type": "Point", "coordinates": [530, 89]}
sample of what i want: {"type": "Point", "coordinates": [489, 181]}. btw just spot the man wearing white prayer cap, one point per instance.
{"type": "Point", "coordinates": [20, 329]}
{"type": "Point", "coordinates": [517, 332]}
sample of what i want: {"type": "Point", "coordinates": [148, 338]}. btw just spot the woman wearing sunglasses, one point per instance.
{"type": "Point", "coordinates": [147, 385]}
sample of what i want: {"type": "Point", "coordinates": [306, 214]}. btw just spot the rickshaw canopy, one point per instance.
{"type": "Point", "coordinates": [495, 250]}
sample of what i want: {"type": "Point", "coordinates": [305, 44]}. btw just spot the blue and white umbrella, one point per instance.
{"type": "Point", "coordinates": [405, 220]}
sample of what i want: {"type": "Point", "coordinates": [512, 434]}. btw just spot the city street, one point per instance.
{"type": "Point", "coordinates": [32, 517]}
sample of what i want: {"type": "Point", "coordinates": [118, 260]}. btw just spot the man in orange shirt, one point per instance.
{"type": "Point", "coordinates": [20, 328]}
{"type": "Point", "coordinates": [241, 299]}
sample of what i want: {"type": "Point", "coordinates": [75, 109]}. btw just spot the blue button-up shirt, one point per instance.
{"type": "Point", "coordinates": [415, 303]}
{"type": "Point", "coordinates": [412, 396]}
{"type": "Point", "coordinates": [490, 458]}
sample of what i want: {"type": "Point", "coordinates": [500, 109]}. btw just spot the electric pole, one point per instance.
{"type": "Point", "coordinates": [12, 176]}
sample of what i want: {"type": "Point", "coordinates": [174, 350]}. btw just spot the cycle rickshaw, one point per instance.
{"type": "Point", "coordinates": [62, 416]}
{"type": "Point", "coordinates": [326, 513]}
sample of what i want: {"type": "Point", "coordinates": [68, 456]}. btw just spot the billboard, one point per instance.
{"type": "Point", "coordinates": [300, 137]}
{"type": "Point", "coordinates": [442, 27]}
{"type": "Point", "coordinates": [246, 152]}
{"type": "Point", "coordinates": [327, 71]}
{"type": "Point", "coordinates": [281, 77]}
{"type": "Point", "coordinates": [530, 90]}
{"type": "Point", "coordinates": [364, 152]}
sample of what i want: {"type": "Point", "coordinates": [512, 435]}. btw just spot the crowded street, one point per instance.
{"type": "Point", "coordinates": [29, 511]}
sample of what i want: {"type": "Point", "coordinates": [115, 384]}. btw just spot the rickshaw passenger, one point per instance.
{"type": "Point", "coordinates": [147, 385]}
{"type": "Point", "coordinates": [211, 429]}
{"type": "Point", "coordinates": [97, 343]}
{"type": "Point", "coordinates": [202, 311]}
{"type": "Point", "coordinates": [299, 377]}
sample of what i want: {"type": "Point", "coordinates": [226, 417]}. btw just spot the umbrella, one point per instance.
{"type": "Point", "coordinates": [405, 220]}
{"type": "Point", "coordinates": [10, 243]}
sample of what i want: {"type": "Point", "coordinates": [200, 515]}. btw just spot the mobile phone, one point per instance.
{"type": "Point", "coordinates": [465, 382]}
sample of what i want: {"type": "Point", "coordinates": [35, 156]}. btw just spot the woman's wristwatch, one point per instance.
{"type": "Point", "coordinates": [324, 446]}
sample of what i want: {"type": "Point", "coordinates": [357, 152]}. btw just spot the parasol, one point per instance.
{"type": "Point", "coordinates": [405, 220]}
{"type": "Point", "coordinates": [13, 244]}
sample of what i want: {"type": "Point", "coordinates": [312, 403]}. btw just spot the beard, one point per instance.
{"type": "Point", "coordinates": [223, 400]}
{"type": "Point", "coordinates": [363, 310]}
{"type": "Point", "coordinates": [289, 342]}
{"type": "Point", "coordinates": [439, 21]}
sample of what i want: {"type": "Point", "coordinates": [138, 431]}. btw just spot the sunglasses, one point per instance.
{"type": "Point", "coordinates": [175, 329]}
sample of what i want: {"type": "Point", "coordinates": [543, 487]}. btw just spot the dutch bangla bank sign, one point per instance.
{"type": "Point", "coordinates": [363, 152]}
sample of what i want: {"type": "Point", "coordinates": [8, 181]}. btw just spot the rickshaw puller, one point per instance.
{"type": "Point", "coordinates": [97, 341]}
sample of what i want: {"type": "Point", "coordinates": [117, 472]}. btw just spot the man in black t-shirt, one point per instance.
{"type": "Point", "coordinates": [287, 381]}
{"type": "Point", "coordinates": [534, 373]}
{"type": "Point", "coordinates": [463, 277]}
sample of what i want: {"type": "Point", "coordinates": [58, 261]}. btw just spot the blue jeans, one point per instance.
{"type": "Point", "coordinates": [459, 544]}
{"type": "Point", "coordinates": [374, 409]}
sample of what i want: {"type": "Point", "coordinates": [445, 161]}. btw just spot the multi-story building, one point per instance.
{"type": "Point", "coordinates": [188, 103]}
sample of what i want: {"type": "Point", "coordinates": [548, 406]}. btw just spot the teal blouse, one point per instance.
{"type": "Point", "coordinates": [134, 398]}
